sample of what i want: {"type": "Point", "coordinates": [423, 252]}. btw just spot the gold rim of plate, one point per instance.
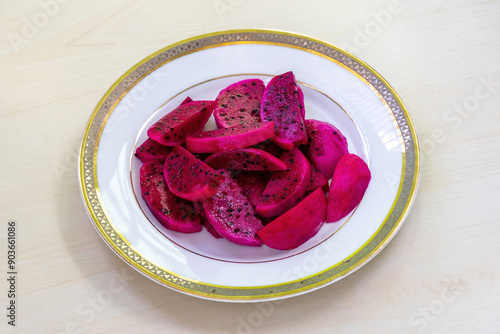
{"type": "Point", "coordinates": [393, 221]}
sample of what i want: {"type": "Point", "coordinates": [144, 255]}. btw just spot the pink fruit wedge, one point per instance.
{"type": "Point", "coordinates": [171, 211]}
{"type": "Point", "coordinates": [186, 119]}
{"type": "Point", "coordinates": [301, 103]}
{"type": "Point", "coordinates": [297, 225]}
{"type": "Point", "coordinates": [245, 159]}
{"type": "Point", "coordinates": [348, 186]}
{"type": "Point", "coordinates": [286, 188]}
{"type": "Point", "coordinates": [281, 104]}
{"type": "Point", "coordinates": [269, 147]}
{"type": "Point", "coordinates": [326, 146]}
{"type": "Point", "coordinates": [231, 215]}
{"type": "Point", "coordinates": [239, 136]}
{"type": "Point", "coordinates": [317, 180]}
{"type": "Point", "coordinates": [151, 150]}
{"type": "Point", "coordinates": [188, 177]}
{"type": "Point", "coordinates": [252, 185]}
{"type": "Point", "coordinates": [186, 100]}
{"type": "Point", "coordinates": [239, 103]}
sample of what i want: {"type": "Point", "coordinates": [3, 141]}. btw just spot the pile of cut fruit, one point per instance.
{"type": "Point", "coordinates": [260, 178]}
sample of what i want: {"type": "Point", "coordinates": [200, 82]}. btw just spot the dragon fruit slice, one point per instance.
{"type": "Point", "coordinates": [301, 102]}
{"type": "Point", "coordinates": [171, 211]}
{"type": "Point", "coordinates": [186, 119]}
{"type": "Point", "coordinates": [239, 136]}
{"type": "Point", "coordinates": [186, 100]}
{"type": "Point", "coordinates": [239, 103]}
{"type": "Point", "coordinates": [281, 104]}
{"type": "Point", "coordinates": [286, 188]}
{"type": "Point", "coordinates": [348, 186]}
{"type": "Point", "coordinates": [245, 159]}
{"type": "Point", "coordinates": [188, 177]}
{"type": "Point", "coordinates": [269, 147]}
{"type": "Point", "coordinates": [252, 185]}
{"type": "Point", "coordinates": [200, 210]}
{"type": "Point", "coordinates": [326, 146]}
{"type": "Point", "coordinates": [297, 225]}
{"type": "Point", "coordinates": [151, 150]}
{"type": "Point", "coordinates": [231, 214]}
{"type": "Point", "coordinates": [317, 180]}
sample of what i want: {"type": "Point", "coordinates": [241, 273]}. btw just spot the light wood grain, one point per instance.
{"type": "Point", "coordinates": [434, 53]}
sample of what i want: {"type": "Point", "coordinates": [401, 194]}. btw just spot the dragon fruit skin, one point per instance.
{"type": "Point", "coordinates": [286, 188]}
{"type": "Point", "coordinates": [245, 159]}
{"type": "Point", "coordinates": [231, 214]}
{"type": "Point", "coordinates": [349, 183]}
{"type": "Point", "coordinates": [186, 119]}
{"type": "Point", "coordinates": [235, 137]}
{"type": "Point", "coordinates": [239, 103]}
{"type": "Point", "coordinates": [326, 146]}
{"type": "Point", "coordinates": [171, 211]}
{"type": "Point", "coordinates": [281, 104]}
{"type": "Point", "coordinates": [252, 185]}
{"type": "Point", "coordinates": [151, 150]}
{"type": "Point", "coordinates": [189, 177]}
{"type": "Point", "coordinates": [297, 225]}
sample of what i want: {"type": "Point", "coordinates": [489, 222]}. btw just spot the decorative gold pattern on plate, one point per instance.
{"type": "Point", "coordinates": [399, 211]}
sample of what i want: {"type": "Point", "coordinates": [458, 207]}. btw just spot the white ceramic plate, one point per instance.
{"type": "Point", "coordinates": [338, 88]}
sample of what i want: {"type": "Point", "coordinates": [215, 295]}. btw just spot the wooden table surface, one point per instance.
{"type": "Point", "coordinates": [440, 274]}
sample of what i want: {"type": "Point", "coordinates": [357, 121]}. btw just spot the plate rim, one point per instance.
{"type": "Point", "coordinates": [212, 291]}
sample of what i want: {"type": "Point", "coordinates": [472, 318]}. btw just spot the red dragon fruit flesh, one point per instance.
{"type": "Point", "coordinates": [326, 146]}
{"type": "Point", "coordinates": [297, 225]}
{"type": "Point", "coordinates": [151, 150]}
{"type": "Point", "coordinates": [231, 214]}
{"type": "Point", "coordinates": [239, 103]}
{"type": "Point", "coordinates": [261, 178]}
{"type": "Point", "coordinates": [188, 177]}
{"type": "Point", "coordinates": [281, 104]}
{"type": "Point", "coordinates": [239, 136]}
{"type": "Point", "coordinates": [302, 106]}
{"type": "Point", "coordinates": [171, 211]}
{"type": "Point", "coordinates": [286, 188]}
{"type": "Point", "coordinates": [348, 186]}
{"type": "Point", "coordinates": [200, 210]}
{"type": "Point", "coordinates": [317, 180]}
{"type": "Point", "coordinates": [269, 147]}
{"type": "Point", "coordinates": [245, 159]}
{"type": "Point", "coordinates": [186, 119]}
{"type": "Point", "coordinates": [252, 185]}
